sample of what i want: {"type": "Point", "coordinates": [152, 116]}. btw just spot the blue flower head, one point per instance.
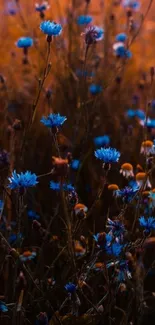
{"type": "Point", "coordinates": [116, 227]}
{"type": "Point", "coordinates": [122, 37]}
{"type": "Point", "coordinates": [51, 28]}
{"type": "Point", "coordinates": [70, 287]}
{"type": "Point", "coordinates": [33, 215]}
{"type": "Point", "coordinates": [53, 120]}
{"type": "Point", "coordinates": [24, 42]}
{"type": "Point", "coordinates": [114, 249]}
{"type": "Point", "coordinates": [148, 224]}
{"type": "Point", "coordinates": [1, 205]}
{"type": "Point", "coordinates": [22, 181]}
{"type": "Point", "coordinates": [3, 307]}
{"type": "Point", "coordinates": [122, 52]}
{"type": "Point", "coordinates": [95, 89]}
{"type": "Point", "coordinates": [14, 238]}
{"type": "Point", "coordinates": [75, 164]}
{"type": "Point", "coordinates": [107, 155]}
{"type": "Point", "coordinates": [84, 20]}
{"type": "Point", "coordinates": [58, 186]}
{"type": "Point", "coordinates": [127, 193]}
{"type": "Point", "coordinates": [150, 123]}
{"type": "Point", "coordinates": [103, 140]}
{"type": "Point", "coordinates": [42, 7]}
{"type": "Point", "coordinates": [132, 4]}
{"type": "Point", "coordinates": [93, 34]}
{"type": "Point", "coordinates": [140, 114]}
{"type": "Point", "coordinates": [130, 113]}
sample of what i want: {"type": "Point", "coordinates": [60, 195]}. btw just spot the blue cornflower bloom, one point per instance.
{"type": "Point", "coordinates": [151, 196]}
{"type": "Point", "coordinates": [122, 52]}
{"type": "Point", "coordinates": [122, 37]}
{"type": "Point", "coordinates": [24, 42]}
{"type": "Point", "coordinates": [42, 7]}
{"type": "Point", "coordinates": [115, 227]}
{"type": "Point", "coordinates": [132, 4]}
{"type": "Point", "coordinates": [101, 239]}
{"type": "Point", "coordinates": [58, 186]}
{"type": "Point", "coordinates": [11, 9]}
{"type": "Point", "coordinates": [33, 215]}
{"type": "Point", "coordinates": [140, 114]}
{"type": "Point", "coordinates": [23, 180]}
{"type": "Point", "coordinates": [70, 287]}
{"type": "Point", "coordinates": [95, 89]}
{"type": "Point", "coordinates": [84, 20]}
{"type": "Point", "coordinates": [130, 113]}
{"type": "Point", "coordinates": [150, 123]}
{"type": "Point", "coordinates": [15, 238]}
{"type": "Point", "coordinates": [127, 193]}
{"type": "Point", "coordinates": [107, 155]}
{"type": "Point", "coordinates": [1, 205]}
{"type": "Point", "coordinates": [75, 164]}
{"type": "Point", "coordinates": [53, 120]}
{"type": "Point", "coordinates": [148, 224]}
{"type": "Point", "coordinates": [103, 140]}
{"type": "Point", "coordinates": [51, 28]}
{"type": "Point", "coordinates": [93, 34]}
{"type": "Point", "coordinates": [3, 307]}
{"type": "Point", "coordinates": [114, 249]}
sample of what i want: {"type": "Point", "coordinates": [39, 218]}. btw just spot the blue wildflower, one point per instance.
{"type": "Point", "coordinates": [132, 4]}
{"type": "Point", "coordinates": [130, 113]}
{"type": "Point", "coordinates": [15, 238]}
{"type": "Point", "coordinates": [51, 28]}
{"type": "Point", "coordinates": [114, 249]}
{"type": "Point", "coordinates": [93, 34]}
{"type": "Point", "coordinates": [115, 227]}
{"type": "Point", "coordinates": [127, 193]}
{"type": "Point", "coordinates": [24, 42]}
{"type": "Point", "coordinates": [95, 89]}
{"type": "Point", "coordinates": [58, 186]}
{"type": "Point", "coordinates": [75, 164]}
{"type": "Point", "coordinates": [102, 238]}
{"type": "Point", "coordinates": [84, 20]}
{"type": "Point", "coordinates": [103, 140]}
{"type": "Point", "coordinates": [42, 7]}
{"type": "Point", "coordinates": [148, 224]}
{"type": "Point", "coordinates": [23, 180]}
{"type": "Point", "coordinates": [53, 120]}
{"type": "Point", "coordinates": [122, 37]}
{"type": "Point", "coordinates": [3, 307]}
{"type": "Point", "coordinates": [140, 114]}
{"type": "Point", "coordinates": [33, 215]}
{"type": "Point", "coordinates": [150, 123]}
{"type": "Point", "coordinates": [11, 9]}
{"type": "Point", "coordinates": [122, 52]}
{"type": "Point", "coordinates": [107, 155]}
{"type": "Point", "coordinates": [1, 205]}
{"type": "Point", "coordinates": [70, 287]}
